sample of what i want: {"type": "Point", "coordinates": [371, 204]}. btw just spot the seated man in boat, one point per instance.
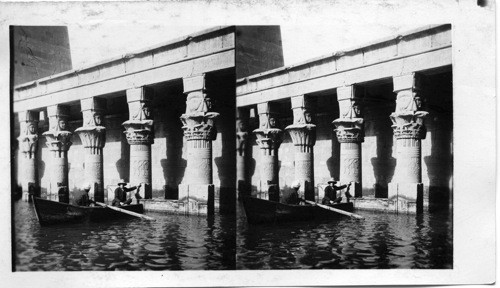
{"type": "Point", "coordinates": [294, 197]}
{"type": "Point", "coordinates": [331, 193]}
{"type": "Point", "coordinates": [84, 199]}
{"type": "Point", "coordinates": [121, 194]}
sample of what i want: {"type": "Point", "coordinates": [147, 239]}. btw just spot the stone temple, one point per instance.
{"type": "Point", "coordinates": [214, 114]}
{"type": "Point", "coordinates": [163, 116]}
{"type": "Point", "coordinates": [379, 115]}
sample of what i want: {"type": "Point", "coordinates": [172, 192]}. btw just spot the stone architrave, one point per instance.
{"type": "Point", "coordinates": [409, 129]}
{"type": "Point", "coordinates": [349, 128]}
{"type": "Point", "coordinates": [199, 131]}
{"type": "Point", "coordinates": [243, 184]}
{"type": "Point", "coordinates": [303, 134]}
{"type": "Point", "coordinates": [269, 138]}
{"type": "Point", "coordinates": [28, 144]}
{"type": "Point", "coordinates": [139, 131]}
{"type": "Point", "coordinates": [93, 136]}
{"type": "Point", "coordinates": [59, 141]}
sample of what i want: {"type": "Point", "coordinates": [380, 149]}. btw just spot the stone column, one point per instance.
{"type": "Point", "coordinates": [243, 184]}
{"type": "Point", "coordinates": [303, 134]}
{"type": "Point", "coordinates": [140, 135]}
{"type": "Point", "coordinates": [350, 134]}
{"type": "Point", "coordinates": [199, 131]}
{"type": "Point", "coordinates": [28, 144]}
{"type": "Point", "coordinates": [409, 129]}
{"type": "Point", "coordinates": [93, 136]}
{"type": "Point", "coordinates": [269, 138]}
{"type": "Point", "coordinates": [59, 142]}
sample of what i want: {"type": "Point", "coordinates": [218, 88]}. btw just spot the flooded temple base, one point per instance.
{"type": "Point", "coordinates": [379, 241]}
{"type": "Point", "coordinates": [172, 242]}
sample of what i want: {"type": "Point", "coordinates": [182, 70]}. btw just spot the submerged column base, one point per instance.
{"type": "Point", "coordinates": [408, 197]}
{"type": "Point", "coordinates": [200, 198]}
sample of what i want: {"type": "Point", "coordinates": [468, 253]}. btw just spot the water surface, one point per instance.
{"type": "Point", "coordinates": [173, 242]}
{"type": "Point", "coordinates": [381, 240]}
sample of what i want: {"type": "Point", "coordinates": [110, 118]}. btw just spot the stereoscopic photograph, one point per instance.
{"type": "Point", "coordinates": [281, 152]}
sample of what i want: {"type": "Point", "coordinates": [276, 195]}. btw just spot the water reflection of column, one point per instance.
{"type": "Point", "coordinates": [59, 142]}
{"type": "Point", "coordinates": [93, 136]}
{"type": "Point", "coordinates": [409, 129]}
{"type": "Point", "coordinates": [28, 144]}
{"type": "Point", "coordinates": [269, 138]}
{"type": "Point", "coordinates": [241, 152]}
{"type": "Point", "coordinates": [140, 136]}
{"type": "Point", "coordinates": [199, 131]}
{"type": "Point", "coordinates": [303, 134]}
{"type": "Point", "coordinates": [350, 134]}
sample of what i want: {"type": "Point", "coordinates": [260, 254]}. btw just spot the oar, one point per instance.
{"type": "Point", "coordinates": [125, 211]}
{"type": "Point", "coordinates": [334, 209]}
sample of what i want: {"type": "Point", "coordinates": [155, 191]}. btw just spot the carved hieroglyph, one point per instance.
{"type": "Point", "coordinates": [93, 136]}
{"type": "Point", "coordinates": [408, 126]}
{"type": "Point", "coordinates": [199, 130]}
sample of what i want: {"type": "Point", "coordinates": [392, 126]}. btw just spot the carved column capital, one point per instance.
{"type": "Point", "coordinates": [269, 136]}
{"type": "Point", "coordinates": [349, 127]}
{"type": "Point", "coordinates": [58, 136]}
{"type": "Point", "coordinates": [28, 138]}
{"type": "Point", "coordinates": [93, 132]}
{"type": "Point", "coordinates": [199, 120]}
{"type": "Point", "coordinates": [349, 130]}
{"type": "Point", "coordinates": [302, 131]}
{"type": "Point", "coordinates": [139, 128]}
{"type": "Point", "coordinates": [408, 118]}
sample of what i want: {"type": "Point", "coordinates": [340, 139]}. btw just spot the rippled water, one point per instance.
{"type": "Point", "coordinates": [380, 241]}
{"type": "Point", "coordinates": [173, 242]}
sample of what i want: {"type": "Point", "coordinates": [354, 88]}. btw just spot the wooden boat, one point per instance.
{"type": "Point", "coordinates": [260, 211]}
{"type": "Point", "coordinates": [50, 212]}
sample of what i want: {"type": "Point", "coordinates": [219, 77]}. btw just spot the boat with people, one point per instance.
{"type": "Point", "coordinates": [260, 211]}
{"type": "Point", "coordinates": [51, 212]}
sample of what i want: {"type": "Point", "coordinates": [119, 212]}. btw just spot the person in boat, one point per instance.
{"type": "Point", "coordinates": [294, 197]}
{"type": "Point", "coordinates": [121, 194]}
{"type": "Point", "coordinates": [84, 199]}
{"type": "Point", "coordinates": [331, 193]}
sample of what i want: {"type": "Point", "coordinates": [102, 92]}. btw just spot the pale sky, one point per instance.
{"type": "Point", "coordinates": [94, 43]}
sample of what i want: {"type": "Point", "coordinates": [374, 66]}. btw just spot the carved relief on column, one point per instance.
{"type": "Point", "coordinates": [93, 132]}
{"type": "Point", "coordinates": [58, 136]}
{"type": "Point", "coordinates": [93, 136]}
{"type": "Point", "coordinates": [28, 143]}
{"type": "Point", "coordinates": [241, 130]}
{"type": "Point", "coordinates": [408, 119]}
{"type": "Point", "coordinates": [139, 128]}
{"type": "Point", "coordinates": [349, 128]}
{"type": "Point", "coordinates": [199, 120]}
{"type": "Point", "coordinates": [28, 138]}
{"type": "Point", "coordinates": [303, 134]}
{"type": "Point", "coordinates": [59, 142]}
{"type": "Point", "coordinates": [199, 130]}
{"type": "Point", "coordinates": [269, 136]}
{"type": "Point", "coordinates": [350, 124]}
{"type": "Point", "coordinates": [302, 131]}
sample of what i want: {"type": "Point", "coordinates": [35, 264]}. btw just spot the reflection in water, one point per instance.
{"type": "Point", "coordinates": [173, 242]}
{"type": "Point", "coordinates": [381, 241]}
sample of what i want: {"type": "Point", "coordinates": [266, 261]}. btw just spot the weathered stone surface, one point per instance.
{"type": "Point", "coordinates": [202, 53]}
